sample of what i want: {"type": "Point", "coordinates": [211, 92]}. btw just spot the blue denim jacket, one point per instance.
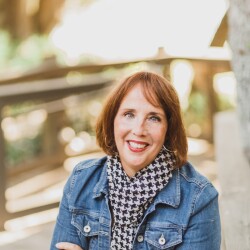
{"type": "Point", "coordinates": [184, 215]}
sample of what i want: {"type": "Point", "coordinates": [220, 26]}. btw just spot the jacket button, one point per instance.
{"type": "Point", "coordinates": [140, 238]}
{"type": "Point", "coordinates": [162, 240]}
{"type": "Point", "coordinates": [87, 229]}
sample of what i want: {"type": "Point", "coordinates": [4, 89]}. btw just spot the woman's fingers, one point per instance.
{"type": "Point", "coordinates": [68, 246]}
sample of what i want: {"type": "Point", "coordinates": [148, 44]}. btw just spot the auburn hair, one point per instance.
{"type": "Point", "coordinates": [160, 93]}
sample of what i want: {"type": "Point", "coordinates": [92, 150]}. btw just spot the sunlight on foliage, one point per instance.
{"type": "Point", "coordinates": [18, 56]}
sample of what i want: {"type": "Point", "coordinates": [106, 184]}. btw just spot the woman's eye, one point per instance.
{"type": "Point", "coordinates": [154, 118]}
{"type": "Point", "coordinates": [129, 115]}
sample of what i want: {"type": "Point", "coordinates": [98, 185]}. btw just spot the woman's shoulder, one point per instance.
{"type": "Point", "coordinates": [196, 187]}
{"type": "Point", "coordinates": [192, 176]}
{"type": "Point", "coordinates": [83, 172]}
{"type": "Point", "coordinates": [90, 164]}
{"type": "Point", "coordinates": [87, 169]}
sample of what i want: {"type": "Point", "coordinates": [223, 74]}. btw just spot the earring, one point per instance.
{"type": "Point", "coordinates": [167, 149]}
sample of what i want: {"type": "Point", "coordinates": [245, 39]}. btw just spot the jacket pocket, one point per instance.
{"type": "Point", "coordinates": [88, 228]}
{"type": "Point", "coordinates": [163, 235]}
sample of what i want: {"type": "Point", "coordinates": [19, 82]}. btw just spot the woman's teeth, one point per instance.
{"type": "Point", "coordinates": [137, 145]}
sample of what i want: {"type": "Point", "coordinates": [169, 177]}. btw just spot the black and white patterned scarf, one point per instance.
{"type": "Point", "coordinates": [130, 197]}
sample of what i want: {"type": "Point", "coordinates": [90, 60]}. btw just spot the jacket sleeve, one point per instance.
{"type": "Point", "coordinates": [64, 231]}
{"type": "Point", "coordinates": [204, 229]}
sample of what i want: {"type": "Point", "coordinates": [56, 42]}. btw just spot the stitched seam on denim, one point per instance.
{"type": "Point", "coordinates": [77, 211]}
{"type": "Point", "coordinates": [97, 186]}
{"type": "Point", "coordinates": [198, 194]}
{"type": "Point", "coordinates": [178, 186]}
{"type": "Point", "coordinates": [193, 180]}
{"type": "Point", "coordinates": [72, 183]}
{"type": "Point", "coordinates": [87, 164]}
{"type": "Point", "coordinates": [152, 242]}
{"type": "Point", "coordinates": [163, 225]}
{"type": "Point", "coordinates": [68, 231]}
{"type": "Point", "coordinates": [78, 168]}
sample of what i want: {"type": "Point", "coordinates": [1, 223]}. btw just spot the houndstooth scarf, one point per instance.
{"type": "Point", "coordinates": [130, 197]}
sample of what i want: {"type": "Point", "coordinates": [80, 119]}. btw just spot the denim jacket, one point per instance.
{"type": "Point", "coordinates": [184, 215]}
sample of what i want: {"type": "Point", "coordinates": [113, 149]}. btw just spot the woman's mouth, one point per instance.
{"type": "Point", "coordinates": [136, 146]}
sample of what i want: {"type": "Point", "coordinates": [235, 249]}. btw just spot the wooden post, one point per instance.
{"type": "Point", "coordinates": [212, 103]}
{"type": "Point", "coordinates": [3, 212]}
{"type": "Point", "coordinates": [166, 71]}
{"type": "Point", "coordinates": [51, 146]}
{"type": "Point", "coordinates": [203, 81]}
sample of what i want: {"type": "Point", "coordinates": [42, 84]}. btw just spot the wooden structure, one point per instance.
{"type": "Point", "coordinates": [36, 16]}
{"type": "Point", "coordinates": [51, 84]}
{"type": "Point", "coordinates": [45, 90]}
{"type": "Point", "coordinates": [221, 33]}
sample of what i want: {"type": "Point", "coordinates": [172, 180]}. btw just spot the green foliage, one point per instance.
{"type": "Point", "coordinates": [18, 56]}
{"type": "Point", "coordinates": [197, 107]}
{"type": "Point", "coordinates": [22, 150]}
{"type": "Point", "coordinates": [197, 111]}
{"type": "Point", "coordinates": [19, 108]}
{"type": "Point", "coordinates": [33, 50]}
{"type": "Point", "coordinates": [6, 48]}
{"type": "Point", "coordinates": [224, 103]}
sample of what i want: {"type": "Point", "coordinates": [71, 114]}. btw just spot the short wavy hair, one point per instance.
{"type": "Point", "coordinates": [160, 93]}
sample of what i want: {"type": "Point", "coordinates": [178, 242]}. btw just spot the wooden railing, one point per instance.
{"type": "Point", "coordinates": [45, 91]}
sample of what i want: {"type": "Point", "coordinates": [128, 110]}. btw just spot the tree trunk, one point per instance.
{"type": "Point", "coordinates": [22, 18]}
{"type": "Point", "coordinates": [239, 39]}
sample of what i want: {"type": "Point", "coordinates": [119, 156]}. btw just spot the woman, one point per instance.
{"type": "Point", "coordinates": [143, 194]}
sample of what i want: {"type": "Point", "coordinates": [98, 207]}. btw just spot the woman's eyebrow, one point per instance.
{"type": "Point", "coordinates": [128, 109]}
{"type": "Point", "coordinates": [156, 113]}
{"type": "Point", "coordinates": [160, 113]}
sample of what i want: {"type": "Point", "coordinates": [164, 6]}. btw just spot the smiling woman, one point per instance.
{"type": "Point", "coordinates": [143, 194]}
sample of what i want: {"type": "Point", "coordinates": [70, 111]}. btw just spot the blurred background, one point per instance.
{"type": "Point", "coordinates": [58, 61]}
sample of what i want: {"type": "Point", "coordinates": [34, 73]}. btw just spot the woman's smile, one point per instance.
{"type": "Point", "coordinates": [140, 130]}
{"type": "Point", "coordinates": [137, 146]}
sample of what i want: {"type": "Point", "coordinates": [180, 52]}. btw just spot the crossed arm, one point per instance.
{"type": "Point", "coordinates": [68, 246]}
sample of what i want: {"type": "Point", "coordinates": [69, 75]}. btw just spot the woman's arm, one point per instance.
{"type": "Point", "coordinates": [204, 229]}
{"type": "Point", "coordinates": [64, 231]}
{"type": "Point", "coordinates": [67, 246]}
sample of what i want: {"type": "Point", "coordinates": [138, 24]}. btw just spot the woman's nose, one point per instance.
{"type": "Point", "coordinates": [139, 128]}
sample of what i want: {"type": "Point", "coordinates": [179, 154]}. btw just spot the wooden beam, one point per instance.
{"type": "Point", "coordinates": [221, 33]}
{"type": "Point", "coordinates": [33, 210]}
{"type": "Point", "coordinates": [49, 89]}
{"type": "Point", "coordinates": [57, 72]}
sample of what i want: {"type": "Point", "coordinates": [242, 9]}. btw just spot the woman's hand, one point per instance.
{"type": "Point", "coordinates": [68, 246]}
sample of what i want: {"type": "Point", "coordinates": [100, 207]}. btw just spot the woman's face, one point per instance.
{"type": "Point", "coordinates": [140, 129]}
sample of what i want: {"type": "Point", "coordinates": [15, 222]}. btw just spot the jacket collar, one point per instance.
{"type": "Point", "coordinates": [102, 186]}
{"type": "Point", "coordinates": [170, 195]}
